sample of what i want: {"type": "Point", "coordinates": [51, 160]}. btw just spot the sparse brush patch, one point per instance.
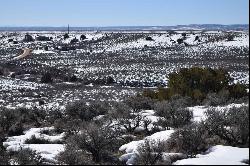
{"type": "Point", "coordinates": [26, 157]}
{"type": "Point", "coordinates": [40, 140]}
{"type": "Point", "coordinates": [174, 112]}
{"type": "Point", "coordinates": [4, 157]}
{"type": "Point", "coordinates": [97, 141]}
{"type": "Point", "coordinates": [150, 153]}
{"type": "Point", "coordinates": [230, 125]}
{"type": "Point", "coordinates": [72, 155]}
{"type": "Point", "coordinates": [14, 122]}
{"type": "Point", "coordinates": [86, 112]}
{"type": "Point", "coordinates": [190, 140]}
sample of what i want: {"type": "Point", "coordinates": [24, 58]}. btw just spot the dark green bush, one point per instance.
{"type": "Point", "coordinates": [197, 83]}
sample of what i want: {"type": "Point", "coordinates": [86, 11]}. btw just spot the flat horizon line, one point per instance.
{"type": "Point", "coordinates": [31, 26]}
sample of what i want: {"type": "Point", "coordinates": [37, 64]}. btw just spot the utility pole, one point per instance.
{"type": "Point", "coordinates": [68, 28]}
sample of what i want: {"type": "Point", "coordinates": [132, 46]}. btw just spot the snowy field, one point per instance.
{"type": "Point", "coordinates": [134, 60]}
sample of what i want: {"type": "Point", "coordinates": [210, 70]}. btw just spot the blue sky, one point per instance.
{"type": "Point", "coordinates": [122, 12]}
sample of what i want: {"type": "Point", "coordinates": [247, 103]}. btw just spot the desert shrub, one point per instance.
{"type": "Point", "coordinates": [149, 93]}
{"type": "Point", "coordinates": [4, 158]}
{"type": "Point", "coordinates": [149, 38]}
{"type": "Point", "coordinates": [231, 125]}
{"type": "Point", "coordinates": [174, 112]}
{"type": "Point", "coordinates": [238, 91]}
{"type": "Point", "coordinates": [110, 80]}
{"type": "Point", "coordinates": [244, 99]}
{"type": "Point", "coordinates": [230, 37]}
{"type": "Point", "coordinates": [46, 48]}
{"type": "Point", "coordinates": [16, 129]}
{"type": "Point", "coordinates": [127, 113]}
{"type": "Point", "coordinates": [13, 122]}
{"type": "Point", "coordinates": [126, 117]}
{"type": "Point", "coordinates": [66, 36]}
{"type": "Point", "coordinates": [72, 155]}
{"type": "Point", "coordinates": [179, 41]}
{"type": "Point", "coordinates": [150, 152]}
{"type": "Point", "coordinates": [100, 140]}
{"type": "Point", "coordinates": [197, 83]}
{"type": "Point", "coordinates": [40, 140]}
{"type": "Point", "coordinates": [138, 103]}
{"type": "Point", "coordinates": [215, 99]}
{"type": "Point", "coordinates": [46, 78]}
{"type": "Point", "coordinates": [7, 117]}
{"type": "Point", "coordinates": [173, 117]}
{"type": "Point", "coordinates": [196, 38]}
{"type": "Point", "coordinates": [75, 40]}
{"type": "Point", "coordinates": [10, 40]}
{"type": "Point", "coordinates": [28, 38]}
{"type": "Point", "coordinates": [83, 37]}
{"type": "Point", "coordinates": [190, 140]}
{"type": "Point", "coordinates": [73, 78]}
{"type": "Point", "coordinates": [36, 140]}
{"type": "Point", "coordinates": [69, 126]}
{"type": "Point", "coordinates": [160, 94]}
{"type": "Point", "coordinates": [27, 157]}
{"type": "Point", "coordinates": [86, 112]}
{"type": "Point", "coordinates": [54, 115]}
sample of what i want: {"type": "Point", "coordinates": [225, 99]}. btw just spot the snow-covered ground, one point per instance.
{"type": "Point", "coordinates": [14, 84]}
{"type": "Point", "coordinates": [130, 59]}
{"type": "Point", "coordinates": [130, 149]}
{"type": "Point", "coordinates": [47, 151]}
{"type": "Point", "coordinates": [42, 52]}
{"type": "Point", "coordinates": [219, 155]}
{"type": "Point", "coordinates": [199, 111]}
